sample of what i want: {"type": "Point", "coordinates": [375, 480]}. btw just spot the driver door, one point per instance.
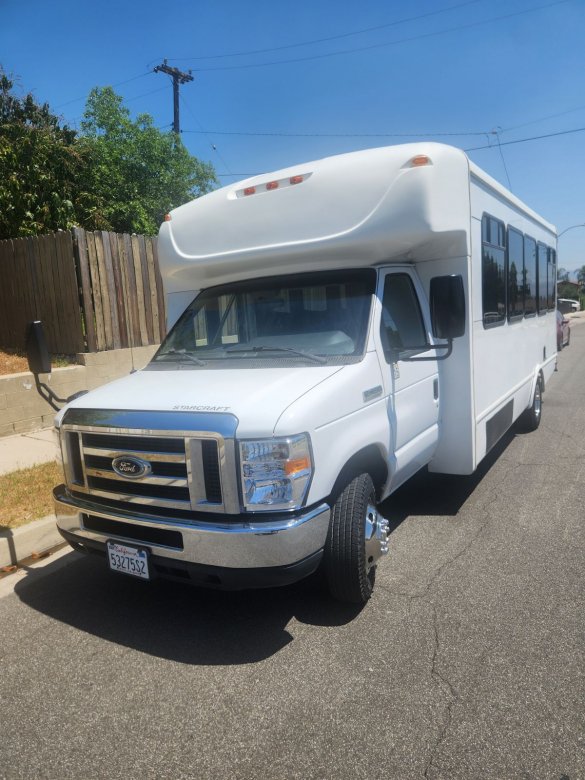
{"type": "Point", "coordinates": [412, 386]}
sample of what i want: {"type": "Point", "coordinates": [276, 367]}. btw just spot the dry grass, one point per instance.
{"type": "Point", "coordinates": [12, 362]}
{"type": "Point", "coordinates": [26, 495]}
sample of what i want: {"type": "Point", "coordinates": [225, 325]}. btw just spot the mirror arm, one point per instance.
{"type": "Point", "coordinates": [51, 397]}
{"type": "Point", "coordinates": [48, 394]}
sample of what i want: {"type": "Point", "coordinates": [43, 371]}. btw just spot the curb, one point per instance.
{"type": "Point", "coordinates": [34, 538]}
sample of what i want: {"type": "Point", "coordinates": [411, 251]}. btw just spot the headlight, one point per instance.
{"type": "Point", "coordinates": [275, 473]}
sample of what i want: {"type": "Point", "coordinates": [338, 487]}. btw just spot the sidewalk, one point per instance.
{"type": "Point", "coordinates": [33, 539]}
{"type": "Point", "coordinates": [27, 449]}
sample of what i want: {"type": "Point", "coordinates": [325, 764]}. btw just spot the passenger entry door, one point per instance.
{"type": "Point", "coordinates": [412, 387]}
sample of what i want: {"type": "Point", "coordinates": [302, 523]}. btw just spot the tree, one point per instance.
{"type": "Point", "coordinates": [118, 174]}
{"type": "Point", "coordinates": [40, 166]}
{"type": "Point", "coordinates": [137, 172]}
{"type": "Point", "coordinates": [562, 275]}
{"type": "Point", "coordinates": [567, 290]}
{"type": "Point", "coordinates": [581, 275]}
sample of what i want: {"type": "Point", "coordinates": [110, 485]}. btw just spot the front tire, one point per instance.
{"type": "Point", "coordinates": [357, 538]}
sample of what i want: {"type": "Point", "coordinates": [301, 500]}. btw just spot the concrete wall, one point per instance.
{"type": "Point", "coordinates": [21, 407]}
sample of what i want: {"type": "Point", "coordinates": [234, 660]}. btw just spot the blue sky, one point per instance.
{"type": "Point", "coordinates": [466, 73]}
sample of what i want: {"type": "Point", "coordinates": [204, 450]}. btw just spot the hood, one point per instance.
{"type": "Point", "coordinates": [257, 397]}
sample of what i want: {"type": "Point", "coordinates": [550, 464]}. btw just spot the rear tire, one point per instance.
{"type": "Point", "coordinates": [357, 538]}
{"type": "Point", "coordinates": [530, 419]}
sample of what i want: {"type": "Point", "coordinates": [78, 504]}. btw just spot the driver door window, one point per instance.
{"type": "Point", "coordinates": [402, 326]}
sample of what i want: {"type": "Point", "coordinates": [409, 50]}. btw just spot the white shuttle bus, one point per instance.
{"type": "Point", "coordinates": [338, 326]}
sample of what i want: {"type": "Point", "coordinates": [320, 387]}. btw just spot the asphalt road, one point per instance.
{"type": "Point", "coordinates": [467, 663]}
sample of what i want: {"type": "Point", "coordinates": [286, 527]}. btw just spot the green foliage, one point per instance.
{"type": "Point", "coordinates": [562, 275]}
{"type": "Point", "coordinates": [567, 289]}
{"type": "Point", "coordinates": [138, 173]}
{"type": "Point", "coordinates": [119, 174]}
{"type": "Point", "coordinates": [40, 166]}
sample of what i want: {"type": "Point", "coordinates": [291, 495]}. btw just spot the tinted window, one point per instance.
{"type": "Point", "coordinates": [515, 273]}
{"type": "Point", "coordinates": [542, 297]}
{"type": "Point", "coordinates": [551, 277]}
{"type": "Point", "coordinates": [402, 326]}
{"type": "Point", "coordinates": [529, 275]}
{"type": "Point", "coordinates": [493, 272]}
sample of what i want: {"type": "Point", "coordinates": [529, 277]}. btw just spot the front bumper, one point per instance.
{"type": "Point", "coordinates": [275, 550]}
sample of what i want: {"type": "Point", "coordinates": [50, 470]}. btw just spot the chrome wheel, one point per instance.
{"type": "Point", "coordinates": [376, 534]}
{"type": "Point", "coordinates": [537, 400]}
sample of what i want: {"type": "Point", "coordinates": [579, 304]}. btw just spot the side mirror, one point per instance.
{"type": "Point", "coordinates": [447, 301]}
{"type": "Point", "coordinates": [39, 360]}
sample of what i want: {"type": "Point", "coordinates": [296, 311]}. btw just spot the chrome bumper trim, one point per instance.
{"type": "Point", "coordinates": [276, 541]}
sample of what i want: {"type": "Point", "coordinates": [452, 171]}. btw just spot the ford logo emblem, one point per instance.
{"type": "Point", "coordinates": [130, 467]}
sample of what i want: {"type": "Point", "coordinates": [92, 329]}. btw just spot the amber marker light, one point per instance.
{"type": "Point", "coordinates": [272, 185]}
{"type": "Point", "coordinates": [295, 466]}
{"type": "Point", "coordinates": [249, 190]}
{"type": "Point", "coordinates": [420, 159]}
{"type": "Point", "coordinates": [296, 179]}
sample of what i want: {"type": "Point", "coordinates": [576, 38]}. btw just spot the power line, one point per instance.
{"type": "Point", "coordinates": [470, 149]}
{"type": "Point", "coordinates": [329, 38]}
{"type": "Point", "coordinates": [525, 140]}
{"type": "Point", "coordinates": [422, 36]}
{"type": "Point", "coordinates": [497, 132]}
{"type": "Point", "coordinates": [118, 84]}
{"type": "Point", "coordinates": [460, 133]}
{"type": "Point", "coordinates": [543, 119]}
{"type": "Point", "coordinates": [213, 146]}
{"type": "Point", "coordinates": [334, 135]}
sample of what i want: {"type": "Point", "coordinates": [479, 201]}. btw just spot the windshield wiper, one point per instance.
{"type": "Point", "coordinates": [263, 348]}
{"type": "Point", "coordinates": [180, 354]}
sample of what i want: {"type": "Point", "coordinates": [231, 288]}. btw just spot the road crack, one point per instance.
{"type": "Point", "coordinates": [450, 692]}
{"type": "Point", "coordinates": [438, 678]}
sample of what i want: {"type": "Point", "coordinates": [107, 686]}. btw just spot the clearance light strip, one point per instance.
{"type": "Point", "coordinates": [276, 184]}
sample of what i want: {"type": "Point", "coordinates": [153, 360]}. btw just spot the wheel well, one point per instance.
{"type": "Point", "coordinates": [366, 461]}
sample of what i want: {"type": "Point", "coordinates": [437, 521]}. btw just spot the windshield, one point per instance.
{"type": "Point", "coordinates": [317, 318]}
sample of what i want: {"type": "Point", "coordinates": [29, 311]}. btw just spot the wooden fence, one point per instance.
{"type": "Point", "coordinates": [92, 290]}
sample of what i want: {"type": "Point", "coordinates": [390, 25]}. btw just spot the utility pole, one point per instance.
{"type": "Point", "coordinates": [178, 78]}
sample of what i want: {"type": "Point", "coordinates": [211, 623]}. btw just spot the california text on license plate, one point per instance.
{"type": "Point", "coordinates": [128, 560]}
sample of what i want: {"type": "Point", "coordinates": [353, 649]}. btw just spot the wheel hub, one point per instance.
{"type": "Point", "coordinates": [376, 533]}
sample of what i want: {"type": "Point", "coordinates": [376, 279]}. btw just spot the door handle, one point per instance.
{"type": "Point", "coordinates": [436, 389]}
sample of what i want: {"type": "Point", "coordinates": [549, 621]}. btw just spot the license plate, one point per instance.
{"type": "Point", "coordinates": [128, 560]}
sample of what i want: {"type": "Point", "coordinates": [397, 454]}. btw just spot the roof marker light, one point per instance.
{"type": "Point", "coordinates": [272, 185]}
{"type": "Point", "coordinates": [420, 159]}
{"type": "Point", "coordinates": [249, 190]}
{"type": "Point", "coordinates": [296, 179]}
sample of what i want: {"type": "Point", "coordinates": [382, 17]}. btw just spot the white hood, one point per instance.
{"type": "Point", "coordinates": [257, 397]}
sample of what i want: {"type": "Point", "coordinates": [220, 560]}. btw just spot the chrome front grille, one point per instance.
{"type": "Point", "coordinates": [98, 451]}
{"type": "Point", "coordinates": [192, 472]}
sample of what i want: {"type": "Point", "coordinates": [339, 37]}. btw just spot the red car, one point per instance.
{"type": "Point", "coordinates": [563, 331]}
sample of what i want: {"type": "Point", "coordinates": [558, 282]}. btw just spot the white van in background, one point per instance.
{"type": "Point", "coordinates": [568, 305]}
{"type": "Point", "coordinates": [345, 322]}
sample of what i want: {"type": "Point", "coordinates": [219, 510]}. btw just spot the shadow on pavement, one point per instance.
{"type": "Point", "coordinates": [197, 626]}
{"type": "Point", "coordinates": [175, 621]}
{"type": "Point", "coordinates": [438, 495]}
